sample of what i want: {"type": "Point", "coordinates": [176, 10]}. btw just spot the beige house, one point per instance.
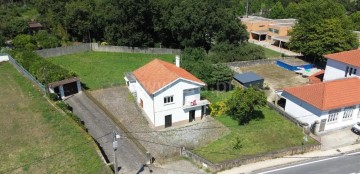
{"type": "Point", "coordinates": [274, 31]}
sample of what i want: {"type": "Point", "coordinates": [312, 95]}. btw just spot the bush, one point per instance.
{"type": "Point", "coordinates": [64, 106]}
{"type": "Point", "coordinates": [24, 41]}
{"type": "Point", "coordinates": [45, 40]}
{"type": "Point", "coordinates": [218, 108]}
{"type": "Point", "coordinates": [54, 97]}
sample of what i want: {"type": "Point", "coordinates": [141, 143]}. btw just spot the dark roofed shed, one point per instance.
{"type": "Point", "coordinates": [249, 79]}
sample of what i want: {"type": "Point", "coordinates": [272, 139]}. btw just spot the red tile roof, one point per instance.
{"type": "Point", "coordinates": [329, 95]}
{"type": "Point", "coordinates": [317, 77]}
{"type": "Point", "coordinates": [157, 74]}
{"type": "Point", "coordinates": [349, 57]}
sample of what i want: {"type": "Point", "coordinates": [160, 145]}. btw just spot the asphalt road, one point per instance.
{"type": "Point", "coordinates": [130, 158]}
{"type": "Point", "coordinates": [344, 164]}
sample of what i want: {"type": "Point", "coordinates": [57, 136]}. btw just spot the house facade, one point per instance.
{"type": "Point", "coordinates": [333, 103]}
{"type": "Point", "coordinates": [168, 94]}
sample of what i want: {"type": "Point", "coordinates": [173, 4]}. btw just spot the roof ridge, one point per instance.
{"type": "Point", "coordinates": [163, 63]}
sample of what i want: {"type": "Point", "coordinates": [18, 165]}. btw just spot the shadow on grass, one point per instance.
{"type": "Point", "coordinates": [255, 115]}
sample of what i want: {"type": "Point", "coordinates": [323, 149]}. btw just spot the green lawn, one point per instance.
{"type": "Point", "coordinates": [273, 132]}
{"type": "Point", "coordinates": [271, 53]}
{"type": "Point", "coordinates": [35, 137]}
{"type": "Point", "coordinates": [103, 69]}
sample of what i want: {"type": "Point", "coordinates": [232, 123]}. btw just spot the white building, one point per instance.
{"type": "Point", "coordinates": [168, 94]}
{"type": "Point", "coordinates": [335, 102]}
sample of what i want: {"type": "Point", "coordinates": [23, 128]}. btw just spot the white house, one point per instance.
{"type": "Point", "coordinates": [335, 102]}
{"type": "Point", "coordinates": [168, 94]}
{"type": "Point", "coordinates": [342, 65]}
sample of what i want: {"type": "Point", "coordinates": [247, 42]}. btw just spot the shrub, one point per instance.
{"type": "Point", "coordinates": [64, 106]}
{"type": "Point", "coordinates": [218, 108]}
{"type": "Point", "coordinates": [22, 41]}
{"type": "Point", "coordinates": [45, 40]}
{"type": "Point", "coordinates": [54, 97]}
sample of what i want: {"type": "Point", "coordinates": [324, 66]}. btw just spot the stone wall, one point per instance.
{"type": "Point", "coordinates": [59, 51]}
{"type": "Point", "coordinates": [125, 49]}
{"type": "Point", "coordinates": [215, 167]}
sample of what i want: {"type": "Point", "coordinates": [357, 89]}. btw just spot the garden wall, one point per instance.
{"type": "Point", "coordinates": [255, 62]}
{"type": "Point", "coordinates": [124, 49]}
{"type": "Point", "coordinates": [52, 52]}
{"type": "Point", "coordinates": [248, 159]}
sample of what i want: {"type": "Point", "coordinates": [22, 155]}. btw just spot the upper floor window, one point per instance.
{"type": "Point", "coordinates": [348, 112]}
{"type": "Point", "coordinates": [349, 71]}
{"type": "Point", "coordinates": [333, 115]}
{"type": "Point", "coordinates": [169, 99]}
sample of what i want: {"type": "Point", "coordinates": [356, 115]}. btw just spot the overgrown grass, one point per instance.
{"type": "Point", "coordinates": [35, 137]}
{"type": "Point", "coordinates": [273, 132]}
{"type": "Point", "coordinates": [103, 69]}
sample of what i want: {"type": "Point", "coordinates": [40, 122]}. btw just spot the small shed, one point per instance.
{"type": "Point", "coordinates": [130, 81]}
{"type": "Point", "coordinates": [65, 87]}
{"type": "Point", "coordinates": [249, 79]}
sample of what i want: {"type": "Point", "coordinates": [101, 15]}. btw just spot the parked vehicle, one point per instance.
{"type": "Point", "coordinates": [356, 129]}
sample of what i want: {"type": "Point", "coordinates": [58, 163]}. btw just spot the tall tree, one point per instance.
{"type": "Point", "coordinates": [128, 22]}
{"type": "Point", "coordinates": [277, 11]}
{"type": "Point", "coordinates": [317, 34]}
{"type": "Point", "coordinates": [355, 18]}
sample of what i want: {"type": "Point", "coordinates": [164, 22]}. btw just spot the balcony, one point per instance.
{"type": "Point", "coordinates": [195, 103]}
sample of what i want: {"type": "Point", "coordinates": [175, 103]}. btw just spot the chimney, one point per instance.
{"type": "Point", "coordinates": [177, 61]}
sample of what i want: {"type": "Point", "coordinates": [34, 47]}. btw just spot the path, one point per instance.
{"type": "Point", "coordinates": [274, 48]}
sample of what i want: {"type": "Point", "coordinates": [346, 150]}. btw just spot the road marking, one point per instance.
{"type": "Point", "coordinates": [303, 164]}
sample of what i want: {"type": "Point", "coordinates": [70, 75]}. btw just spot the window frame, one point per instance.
{"type": "Point", "coordinates": [333, 116]}
{"type": "Point", "coordinates": [348, 113]}
{"type": "Point", "coordinates": [168, 100]}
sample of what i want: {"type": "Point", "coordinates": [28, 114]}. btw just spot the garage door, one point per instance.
{"type": "Point", "coordinates": [70, 89]}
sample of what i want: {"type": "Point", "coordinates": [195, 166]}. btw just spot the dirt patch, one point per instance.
{"type": "Point", "coordinates": [275, 77]}
{"type": "Point", "coordinates": [161, 144]}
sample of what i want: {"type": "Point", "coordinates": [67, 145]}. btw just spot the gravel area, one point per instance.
{"type": "Point", "coordinates": [161, 144]}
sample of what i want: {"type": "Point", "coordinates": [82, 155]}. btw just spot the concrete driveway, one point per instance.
{"type": "Point", "coordinates": [130, 159]}
{"type": "Point", "coordinates": [338, 138]}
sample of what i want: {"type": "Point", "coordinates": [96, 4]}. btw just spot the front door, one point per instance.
{"type": "Point", "coordinates": [191, 115]}
{"type": "Point", "coordinates": [168, 121]}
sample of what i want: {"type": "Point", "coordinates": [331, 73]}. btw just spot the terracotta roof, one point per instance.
{"type": "Point", "coordinates": [157, 74]}
{"type": "Point", "coordinates": [63, 82]}
{"type": "Point", "coordinates": [349, 57]}
{"type": "Point", "coordinates": [329, 95]}
{"type": "Point", "coordinates": [317, 77]}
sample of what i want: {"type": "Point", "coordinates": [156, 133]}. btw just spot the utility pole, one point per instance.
{"type": "Point", "coordinates": [116, 136]}
{"type": "Point", "coordinates": [247, 8]}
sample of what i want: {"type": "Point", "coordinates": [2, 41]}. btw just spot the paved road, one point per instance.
{"type": "Point", "coordinates": [129, 156]}
{"type": "Point", "coordinates": [344, 164]}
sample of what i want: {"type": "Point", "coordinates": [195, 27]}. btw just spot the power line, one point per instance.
{"type": "Point", "coordinates": [53, 155]}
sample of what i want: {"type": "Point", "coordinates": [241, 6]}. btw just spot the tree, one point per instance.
{"type": "Point", "coordinates": [277, 11]}
{"type": "Point", "coordinates": [45, 40]}
{"type": "Point", "coordinates": [24, 41]}
{"type": "Point", "coordinates": [292, 10]}
{"type": "Point", "coordinates": [244, 103]}
{"type": "Point", "coordinates": [79, 19]}
{"type": "Point", "coordinates": [128, 22]}
{"type": "Point", "coordinates": [355, 18]}
{"type": "Point", "coordinates": [317, 34]}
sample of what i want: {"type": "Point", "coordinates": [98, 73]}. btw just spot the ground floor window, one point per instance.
{"type": "Point", "coordinates": [333, 115]}
{"type": "Point", "coordinates": [348, 112]}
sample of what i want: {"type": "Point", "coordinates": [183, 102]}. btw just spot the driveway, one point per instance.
{"type": "Point", "coordinates": [98, 124]}
{"type": "Point", "coordinates": [161, 144]}
{"type": "Point", "coordinates": [338, 138]}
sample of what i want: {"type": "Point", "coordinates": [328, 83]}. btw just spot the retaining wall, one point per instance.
{"type": "Point", "coordinates": [215, 167]}
{"type": "Point", "coordinates": [59, 51]}
{"type": "Point", "coordinates": [124, 49]}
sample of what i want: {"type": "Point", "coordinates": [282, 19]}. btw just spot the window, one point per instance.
{"type": "Point", "coordinates": [333, 115]}
{"type": "Point", "coordinates": [348, 112]}
{"type": "Point", "coordinates": [351, 69]}
{"type": "Point", "coordinates": [354, 71]}
{"type": "Point", "coordinates": [276, 31]}
{"type": "Point", "coordinates": [169, 99]}
{"type": "Point", "coordinates": [269, 37]}
{"type": "Point", "coordinates": [346, 71]}
{"type": "Point", "coordinates": [261, 25]}
{"type": "Point", "coordinates": [270, 29]}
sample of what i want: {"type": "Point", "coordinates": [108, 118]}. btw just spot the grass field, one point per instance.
{"type": "Point", "coordinates": [103, 69]}
{"type": "Point", "coordinates": [35, 137]}
{"type": "Point", "coordinates": [273, 132]}
{"type": "Point", "coordinates": [271, 53]}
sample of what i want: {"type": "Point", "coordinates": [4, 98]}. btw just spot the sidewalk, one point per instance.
{"type": "Point", "coordinates": [274, 48]}
{"type": "Point", "coordinates": [334, 143]}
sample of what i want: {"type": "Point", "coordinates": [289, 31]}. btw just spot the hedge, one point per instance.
{"type": "Point", "coordinates": [41, 68]}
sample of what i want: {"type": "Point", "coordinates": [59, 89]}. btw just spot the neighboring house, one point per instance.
{"type": "Point", "coordinates": [168, 94]}
{"type": "Point", "coordinates": [333, 102]}
{"type": "Point", "coordinates": [274, 31]}
{"type": "Point", "coordinates": [342, 65]}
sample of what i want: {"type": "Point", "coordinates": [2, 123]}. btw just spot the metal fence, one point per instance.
{"type": "Point", "coordinates": [25, 73]}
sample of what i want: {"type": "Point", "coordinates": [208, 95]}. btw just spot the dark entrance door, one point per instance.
{"type": "Point", "coordinates": [70, 89]}
{"type": "Point", "coordinates": [191, 115]}
{"type": "Point", "coordinates": [168, 121]}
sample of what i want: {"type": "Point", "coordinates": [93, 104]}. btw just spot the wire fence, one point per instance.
{"type": "Point", "coordinates": [26, 74]}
